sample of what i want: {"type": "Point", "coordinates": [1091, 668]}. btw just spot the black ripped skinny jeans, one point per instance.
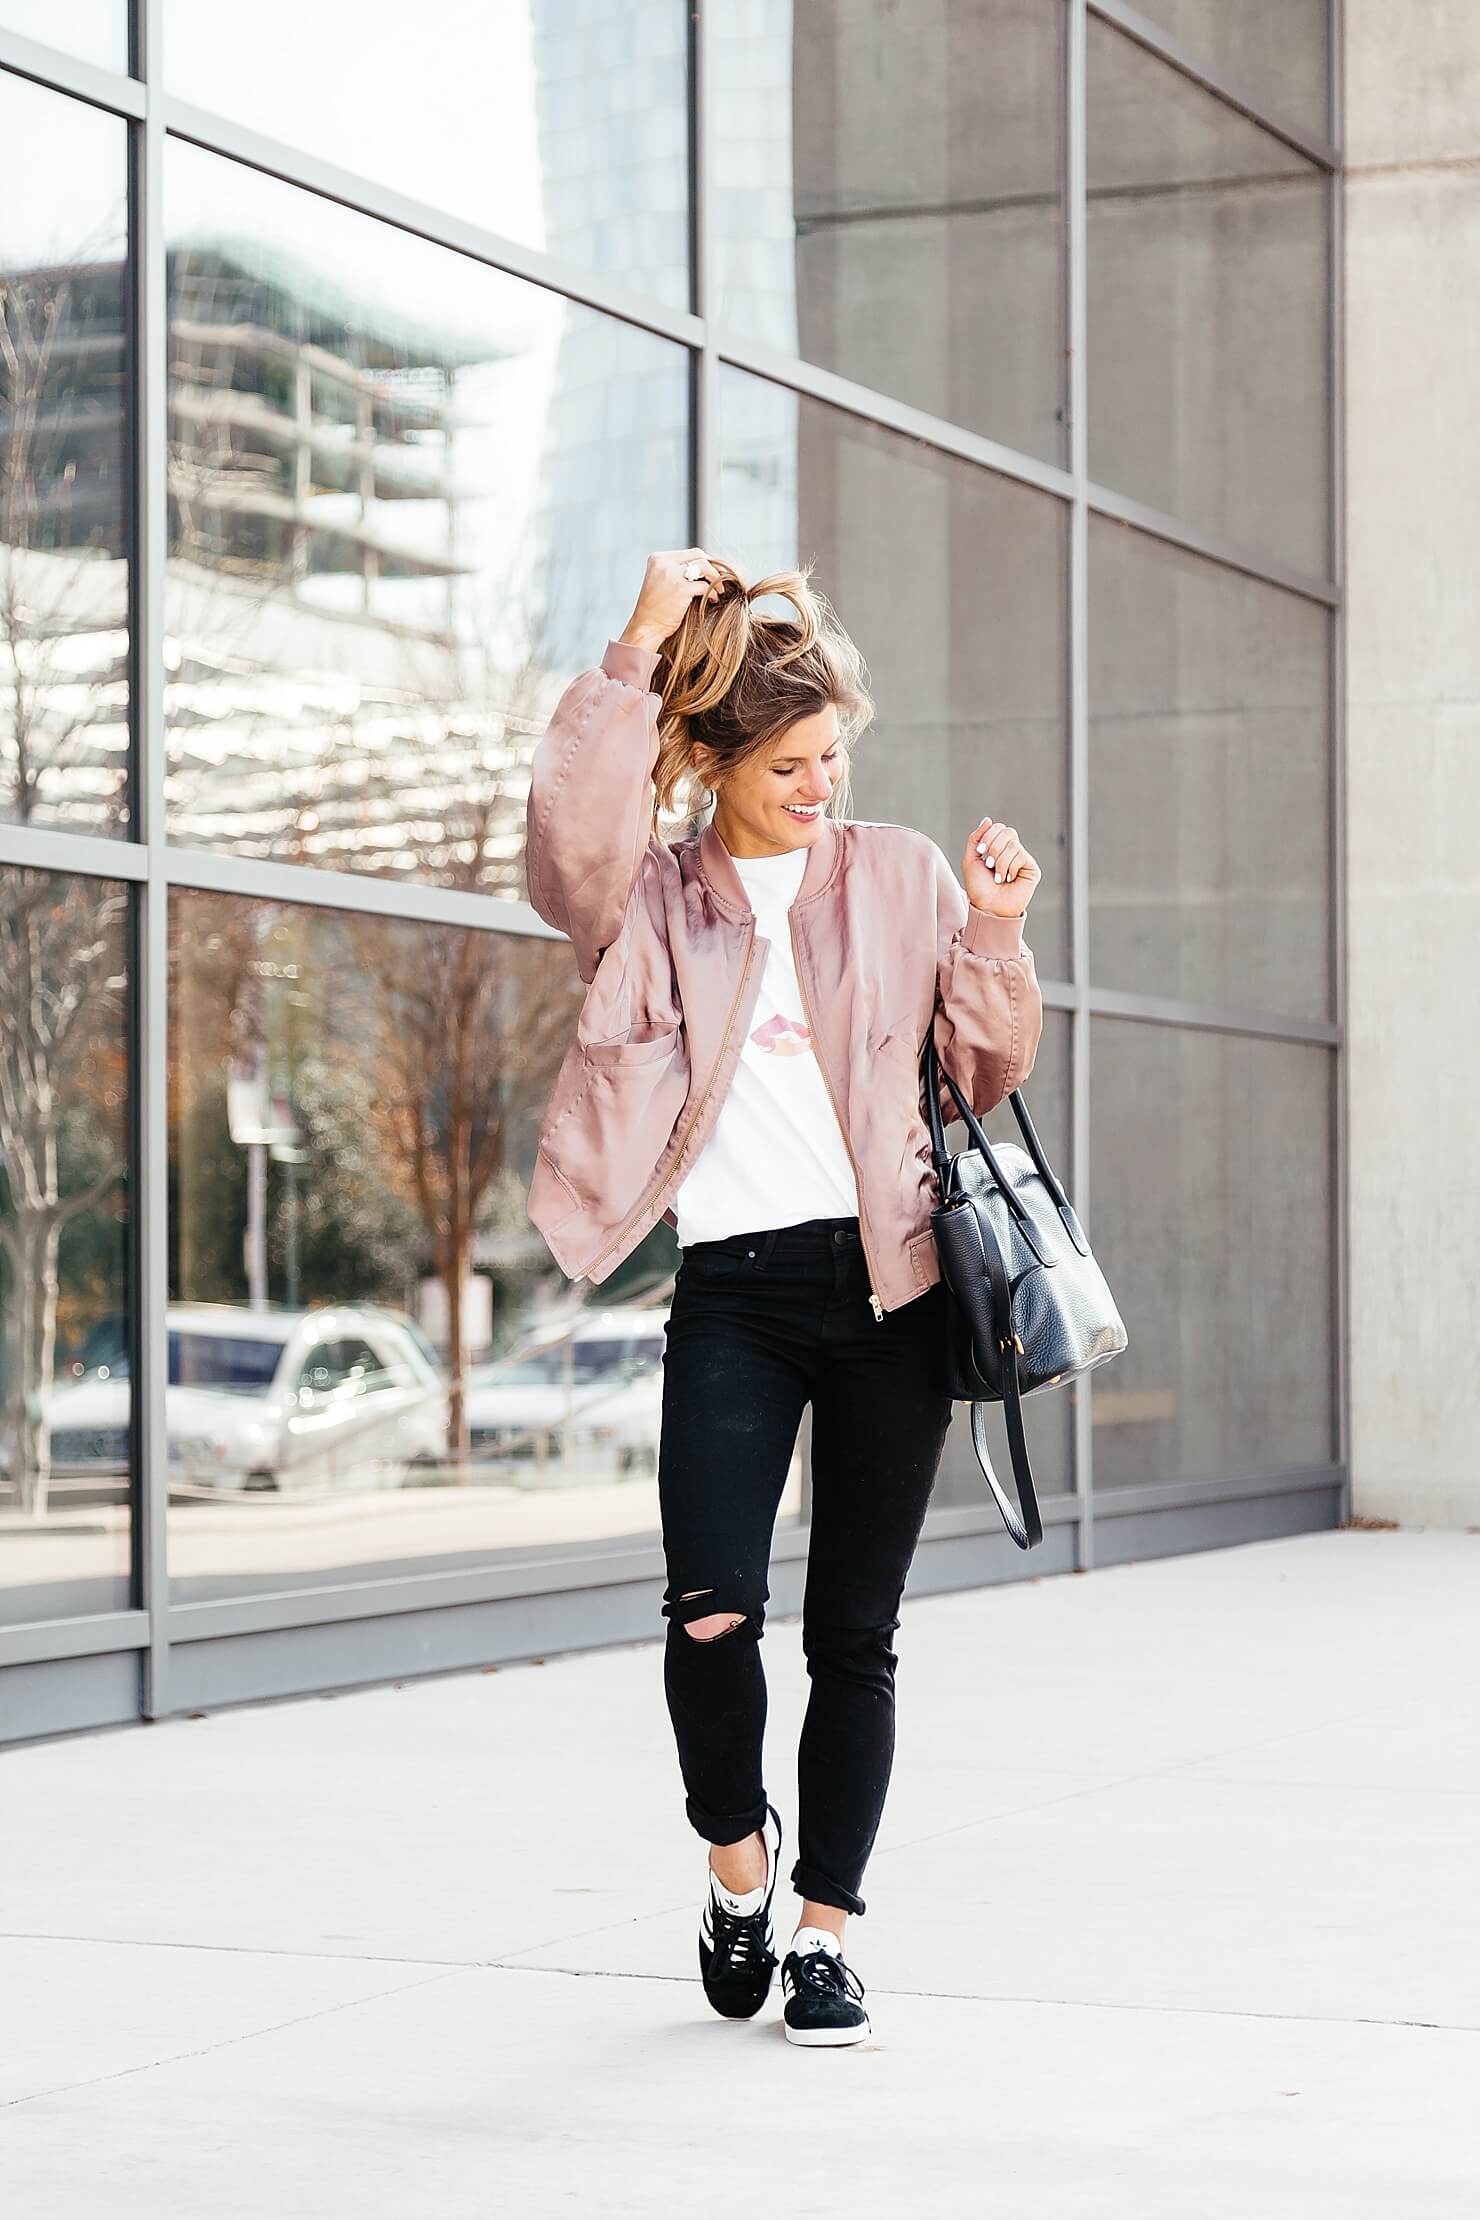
{"type": "Point", "coordinates": [762, 1324]}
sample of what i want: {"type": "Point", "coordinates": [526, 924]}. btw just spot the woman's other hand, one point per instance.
{"type": "Point", "coordinates": [998, 873]}
{"type": "Point", "coordinates": [666, 594]}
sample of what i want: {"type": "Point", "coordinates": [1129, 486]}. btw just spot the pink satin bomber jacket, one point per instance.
{"type": "Point", "coordinates": [666, 943]}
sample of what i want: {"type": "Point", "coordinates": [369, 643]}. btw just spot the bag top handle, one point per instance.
{"type": "Point", "coordinates": [932, 1073]}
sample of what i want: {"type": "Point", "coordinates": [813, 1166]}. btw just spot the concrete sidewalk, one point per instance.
{"type": "Point", "coordinates": [1174, 1912]}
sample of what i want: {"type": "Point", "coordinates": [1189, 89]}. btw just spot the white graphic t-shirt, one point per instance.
{"type": "Point", "coordinates": [776, 1155]}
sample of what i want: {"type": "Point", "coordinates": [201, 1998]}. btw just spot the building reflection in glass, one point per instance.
{"type": "Point", "coordinates": [410, 497]}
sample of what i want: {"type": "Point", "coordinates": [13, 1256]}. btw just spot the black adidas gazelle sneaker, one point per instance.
{"type": "Point", "coordinates": [824, 1996]}
{"type": "Point", "coordinates": [736, 1950]}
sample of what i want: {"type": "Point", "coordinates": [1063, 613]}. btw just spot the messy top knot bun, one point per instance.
{"type": "Point", "coordinates": [732, 680]}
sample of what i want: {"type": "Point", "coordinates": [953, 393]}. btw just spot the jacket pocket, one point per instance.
{"type": "Point", "coordinates": [924, 1263]}
{"type": "Point", "coordinates": [645, 1048]}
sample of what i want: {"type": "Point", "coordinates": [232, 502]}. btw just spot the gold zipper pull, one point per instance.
{"type": "Point", "coordinates": [876, 1307]}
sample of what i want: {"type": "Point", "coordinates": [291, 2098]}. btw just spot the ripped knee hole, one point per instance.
{"type": "Point", "coordinates": [718, 1622]}
{"type": "Point", "coordinates": [710, 1630]}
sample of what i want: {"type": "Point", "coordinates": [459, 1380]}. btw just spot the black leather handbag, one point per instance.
{"type": "Point", "coordinates": [1027, 1305]}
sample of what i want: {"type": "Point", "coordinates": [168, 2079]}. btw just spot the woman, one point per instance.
{"type": "Point", "coordinates": [745, 1066]}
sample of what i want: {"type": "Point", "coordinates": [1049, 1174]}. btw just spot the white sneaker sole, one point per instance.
{"type": "Point", "coordinates": [819, 2038]}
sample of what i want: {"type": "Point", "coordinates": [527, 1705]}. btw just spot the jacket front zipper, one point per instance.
{"type": "Point", "coordinates": [796, 958]}
{"type": "Point", "coordinates": [647, 1204]}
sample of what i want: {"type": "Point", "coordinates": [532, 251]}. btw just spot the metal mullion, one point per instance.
{"type": "Point", "coordinates": [1076, 267]}
{"type": "Point", "coordinates": [1223, 1487]}
{"type": "Point", "coordinates": [1211, 1017]}
{"type": "Point", "coordinates": [964, 1522]}
{"type": "Point", "coordinates": [1341, 1111]}
{"type": "Point", "coordinates": [1058, 994]}
{"type": "Point", "coordinates": [1161, 525]}
{"type": "Point", "coordinates": [365, 196]}
{"type": "Point", "coordinates": [84, 855]}
{"type": "Point", "coordinates": [68, 73]}
{"type": "Point", "coordinates": [888, 411]}
{"type": "Point", "coordinates": [1149, 35]}
{"type": "Point", "coordinates": [705, 446]}
{"type": "Point", "coordinates": [403, 1589]}
{"type": "Point", "coordinates": [150, 1091]}
{"type": "Point", "coordinates": [90, 1634]}
{"type": "Point", "coordinates": [424, 902]}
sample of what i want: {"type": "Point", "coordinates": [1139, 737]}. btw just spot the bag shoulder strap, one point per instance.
{"type": "Point", "coordinates": [1025, 1525]}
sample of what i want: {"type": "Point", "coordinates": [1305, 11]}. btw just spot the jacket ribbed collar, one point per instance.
{"type": "Point", "coordinates": [717, 866]}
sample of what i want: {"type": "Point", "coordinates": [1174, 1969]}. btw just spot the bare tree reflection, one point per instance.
{"type": "Point", "coordinates": [62, 989]}
{"type": "Point", "coordinates": [470, 1029]}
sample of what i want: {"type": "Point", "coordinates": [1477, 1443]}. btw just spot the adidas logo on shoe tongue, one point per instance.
{"type": "Point", "coordinates": [742, 1905]}
{"type": "Point", "coordinates": [816, 1938]}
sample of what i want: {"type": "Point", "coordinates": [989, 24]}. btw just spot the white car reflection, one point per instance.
{"type": "Point", "coordinates": [335, 1399]}
{"type": "Point", "coordinates": [582, 1404]}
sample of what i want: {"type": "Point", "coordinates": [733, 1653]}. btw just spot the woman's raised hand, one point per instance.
{"type": "Point", "coordinates": [666, 594]}
{"type": "Point", "coordinates": [998, 872]}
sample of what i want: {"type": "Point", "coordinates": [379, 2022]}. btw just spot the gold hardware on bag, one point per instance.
{"type": "Point", "coordinates": [1017, 1343]}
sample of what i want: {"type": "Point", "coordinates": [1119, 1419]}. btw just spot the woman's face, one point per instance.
{"type": "Point", "coordinates": [774, 801]}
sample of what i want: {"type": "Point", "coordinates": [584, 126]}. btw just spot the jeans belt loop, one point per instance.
{"type": "Point", "coordinates": [767, 1246]}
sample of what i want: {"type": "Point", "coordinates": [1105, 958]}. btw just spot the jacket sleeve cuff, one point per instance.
{"type": "Point", "coordinates": [986, 935]}
{"type": "Point", "coordinates": [633, 665]}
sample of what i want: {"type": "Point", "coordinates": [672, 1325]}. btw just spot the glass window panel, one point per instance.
{"type": "Point", "coordinates": [1209, 781]}
{"type": "Point", "coordinates": [1208, 331]}
{"type": "Point", "coordinates": [951, 580]}
{"type": "Point", "coordinates": [888, 201]}
{"type": "Point", "coordinates": [64, 507]}
{"type": "Point", "coordinates": [354, 1104]}
{"type": "Point", "coordinates": [1210, 1212]}
{"type": "Point", "coordinates": [1276, 52]}
{"type": "Point", "coordinates": [564, 128]}
{"type": "Point", "coordinates": [95, 29]}
{"type": "Point", "coordinates": [65, 1490]}
{"type": "Point", "coordinates": [410, 497]}
{"type": "Point", "coordinates": [1048, 1415]}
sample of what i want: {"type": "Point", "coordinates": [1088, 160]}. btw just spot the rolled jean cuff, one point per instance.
{"type": "Point", "coordinates": [723, 1827]}
{"type": "Point", "coordinates": [810, 1882]}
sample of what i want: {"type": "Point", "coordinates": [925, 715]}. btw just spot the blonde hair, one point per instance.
{"type": "Point", "coordinates": [732, 681]}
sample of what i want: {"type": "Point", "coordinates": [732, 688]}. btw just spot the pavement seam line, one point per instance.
{"type": "Point", "coordinates": [248, 1950]}
{"type": "Point", "coordinates": [226, 2042]}
{"type": "Point", "coordinates": [1049, 2003]}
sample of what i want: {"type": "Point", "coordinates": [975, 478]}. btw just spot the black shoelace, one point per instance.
{"type": "Point", "coordinates": [739, 1937]}
{"type": "Point", "coordinates": [825, 1973]}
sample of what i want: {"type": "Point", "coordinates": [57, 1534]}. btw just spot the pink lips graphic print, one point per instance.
{"type": "Point", "coordinates": [782, 1036]}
